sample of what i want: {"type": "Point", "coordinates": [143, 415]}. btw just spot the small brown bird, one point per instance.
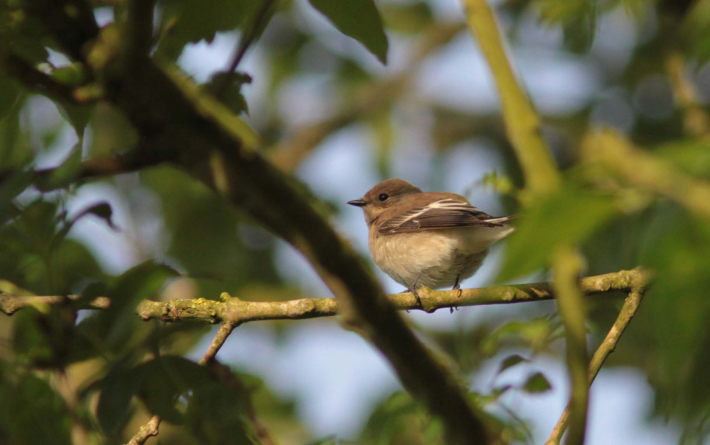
{"type": "Point", "coordinates": [427, 239]}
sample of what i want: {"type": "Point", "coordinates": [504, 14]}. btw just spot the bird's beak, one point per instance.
{"type": "Point", "coordinates": [357, 203]}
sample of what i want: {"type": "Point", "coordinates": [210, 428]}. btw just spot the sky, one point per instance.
{"type": "Point", "coordinates": [335, 376]}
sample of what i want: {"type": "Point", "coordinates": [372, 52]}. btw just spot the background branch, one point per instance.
{"type": "Point", "coordinates": [249, 36]}
{"type": "Point", "coordinates": [633, 300]}
{"type": "Point", "coordinates": [287, 154]}
{"type": "Point", "coordinates": [521, 119]}
{"type": "Point", "coordinates": [541, 175]}
{"type": "Point", "coordinates": [572, 311]}
{"type": "Point", "coordinates": [139, 30]}
{"type": "Point", "coordinates": [647, 172]}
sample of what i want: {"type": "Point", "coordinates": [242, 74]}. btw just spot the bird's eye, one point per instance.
{"type": "Point", "coordinates": [384, 197]}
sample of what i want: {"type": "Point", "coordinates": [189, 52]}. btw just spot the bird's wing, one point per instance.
{"type": "Point", "coordinates": [441, 214]}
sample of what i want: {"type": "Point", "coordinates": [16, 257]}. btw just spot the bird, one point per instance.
{"type": "Point", "coordinates": [432, 239]}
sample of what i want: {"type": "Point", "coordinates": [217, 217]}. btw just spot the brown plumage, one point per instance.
{"type": "Point", "coordinates": [427, 239]}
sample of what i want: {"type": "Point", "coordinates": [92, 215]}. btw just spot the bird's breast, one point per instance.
{"type": "Point", "coordinates": [439, 256]}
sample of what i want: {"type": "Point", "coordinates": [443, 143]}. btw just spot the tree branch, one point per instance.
{"type": "Point", "coordinates": [216, 154]}
{"type": "Point", "coordinates": [249, 36]}
{"type": "Point", "coordinates": [542, 177]}
{"type": "Point", "coordinates": [633, 300]}
{"type": "Point", "coordinates": [37, 81]}
{"type": "Point", "coordinates": [571, 307]}
{"type": "Point", "coordinates": [696, 121]}
{"type": "Point", "coordinates": [9, 304]}
{"type": "Point", "coordinates": [521, 119]}
{"type": "Point", "coordinates": [151, 428]}
{"type": "Point", "coordinates": [128, 162]}
{"type": "Point", "coordinates": [139, 30]}
{"type": "Point", "coordinates": [645, 171]}
{"type": "Point", "coordinates": [235, 310]}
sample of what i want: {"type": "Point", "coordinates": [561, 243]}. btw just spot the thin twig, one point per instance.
{"type": "Point", "coordinates": [9, 304]}
{"type": "Point", "coordinates": [248, 37]}
{"type": "Point", "coordinates": [633, 300]}
{"type": "Point", "coordinates": [151, 428]}
{"type": "Point", "coordinates": [224, 330]}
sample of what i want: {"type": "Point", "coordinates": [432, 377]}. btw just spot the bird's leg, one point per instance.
{"type": "Point", "coordinates": [457, 287]}
{"type": "Point", "coordinates": [413, 290]}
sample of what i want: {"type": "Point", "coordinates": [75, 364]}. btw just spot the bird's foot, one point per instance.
{"type": "Point", "coordinates": [457, 288]}
{"type": "Point", "coordinates": [413, 290]}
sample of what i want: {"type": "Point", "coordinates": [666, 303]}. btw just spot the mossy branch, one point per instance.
{"type": "Point", "coordinates": [633, 300]}
{"type": "Point", "coordinates": [235, 310]}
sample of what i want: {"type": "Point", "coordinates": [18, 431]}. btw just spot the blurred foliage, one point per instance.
{"type": "Point", "coordinates": [70, 375]}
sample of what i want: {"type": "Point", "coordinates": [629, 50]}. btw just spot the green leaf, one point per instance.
{"type": "Point", "coordinates": [577, 17]}
{"type": "Point", "coordinates": [37, 414]}
{"type": "Point", "coordinates": [564, 218]}
{"type": "Point", "coordinates": [407, 17]}
{"type": "Point", "coordinates": [74, 74]}
{"type": "Point", "coordinates": [117, 325]}
{"type": "Point", "coordinates": [101, 210]}
{"type": "Point", "coordinates": [166, 378]}
{"type": "Point", "coordinates": [537, 383]}
{"type": "Point", "coordinates": [12, 185]}
{"type": "Point", "coordinates": [232, 96]}
{"type": "Point", "coordinates": [694, 31]}
{"type": "Point", "coordinates": [77, 115]}
{"type": "Point", "coordinates": [117, 389]}
{"type": "Point", "coordinates": [216, 416]}
{"type": "Point", "coordinates": [679, 308]}
{"type": "Point", "coordinates": [23, 34]}
{"type": "Point", "coordinates": [64, 175]}
{"type": "Point", "coordinates": [358, 19]}
{"type": "Point", "coordinates": [188, 21]}
{"type": "Point", "coordinates": [511, 361]}
{"type": "Point", "coordinates": [690, 155]}
{"type": "Point", "coordinates": [30, 340]}
{"type": "Point", "coordinates": [9, 92]}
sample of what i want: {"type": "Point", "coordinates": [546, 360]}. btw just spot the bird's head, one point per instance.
{"type": "Point", "coordinates": [384, 196]}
